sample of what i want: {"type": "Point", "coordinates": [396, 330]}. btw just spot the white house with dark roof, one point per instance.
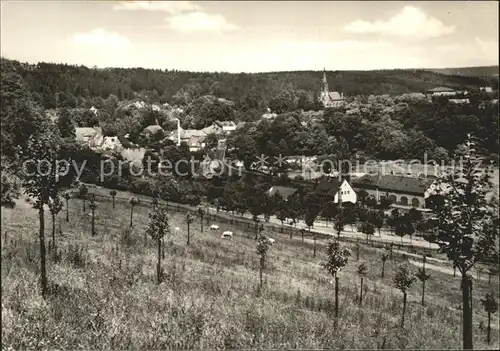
{"type": "Point", "coordinates": [337, 189]}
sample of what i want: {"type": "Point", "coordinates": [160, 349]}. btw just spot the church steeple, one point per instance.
{"type": "Point", "coordinates": [325, 82]}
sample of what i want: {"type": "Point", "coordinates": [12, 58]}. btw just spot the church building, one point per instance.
{"type": "Point", "coordinates": [330, 98]}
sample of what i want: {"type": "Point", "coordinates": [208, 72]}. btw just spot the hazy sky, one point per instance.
{"type": "Point", "coordinates": [251, 36]}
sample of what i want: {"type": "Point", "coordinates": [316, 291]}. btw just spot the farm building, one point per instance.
{"type": "Point", "coordinates": [402, 190]}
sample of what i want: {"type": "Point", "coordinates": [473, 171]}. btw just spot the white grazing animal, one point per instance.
{"type": "Point", "coordinates": [177, 228]}
{"type": "Point", "coordinates": [227, 235]}
{"type": "Point", "coordinates": [214, 227]}
{"type": "Point", "coordinates": [271, 241]}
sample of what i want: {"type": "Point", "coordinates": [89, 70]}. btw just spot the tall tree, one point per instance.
{"type": "Point", "coordinates": [41, 172]}
{"type": "Point", "coordinates": [403, 280]}
{"type": "Point", "coordinates": [189, 220]}
{"type": "Point", "coordinates": [362, 271]}
{"type": "Point", "coordinates": [158, 226]}
{"type": "Point", "coordinates": [337, 258]}
{"type": "Point", "coordinates": [67, 197]}
{"type": "Point", "coordinates": [65, 124]}
{"type": "Point", "coordinates": [262, 249]}
{"type": "Point", "coordinates": [93, 206]}
{"type": "Point", "coordinates": [423, 277]}
{"type": "Point", "coordinates": [467, 226]}
{"type": "Point", "coordinates": [133, 201]}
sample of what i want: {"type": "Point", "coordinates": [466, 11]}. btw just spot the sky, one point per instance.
{"type": "Point", "coordinates": [252, 36]}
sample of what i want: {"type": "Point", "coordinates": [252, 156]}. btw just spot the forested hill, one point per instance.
{"type": "Point", "coordinates": [50, 83]}
{"type": "Point", "coordinates": [482, 71]}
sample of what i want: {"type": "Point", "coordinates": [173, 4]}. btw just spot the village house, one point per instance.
{"type": "Point", "coordinates": [194, 138]}
{"type": "Point", "coordinates": [402, 190]}
{"type": "Point", "coordinates": [442, 91]}
{"type": "Point", "coordinates": [226, 126]}
{"type": "Point", "coordinates": [94, 139]}
{"type": "Point", "coordinates": [486, 89]}
{"type": "Point", "coordinates": [330, 98]}
{"type": "Point", "coordinates": [285, 192]}
{"type": "Point", "coordinates": [91, 137]}
{"type": "Point", "coordinates": [336, 188]}
{"type": "Point", "coordinates": [268, 114]}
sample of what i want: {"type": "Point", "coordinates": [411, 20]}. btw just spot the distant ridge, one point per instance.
{"type": "Point", "coordinates": [479, 71]}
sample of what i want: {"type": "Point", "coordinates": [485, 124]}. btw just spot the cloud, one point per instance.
{"type": "Point", "coordinates": [100, 37]}
{"type": "Point", "coordinates": [183, 16]}
{"type": "Point", "coordinates": [171, 7]}
{"type": "Point", "coordinates": [410, 22]}
{"type": "Point", "coordinates": [488, 48]}
{"type": "Point", "coordinates": [200, 22]}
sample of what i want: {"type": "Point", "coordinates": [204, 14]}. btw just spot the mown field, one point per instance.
{"type": "Point", "coordinates": [104, 293]}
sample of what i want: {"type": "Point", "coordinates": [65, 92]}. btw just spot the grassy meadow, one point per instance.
{"type": "Point", "coordinates": [104, 293]}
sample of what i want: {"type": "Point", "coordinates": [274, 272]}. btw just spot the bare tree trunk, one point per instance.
{"type": "Point", "coordinates": [488, 331]}
{"type": "Point", "coordinates": [361, 292]}
{"type": "Point", "coordinates": [163, 247]}
{"type": "Point", "coordinates": [201, 222]}
{"type": "Point", "coordinates": [467, 312]}
{"type": "Point", "coordinates": [188, 235]}
{"type": "Point", "coordinates": [314, 254]}
{"type": "Point", "coordinates": [93, 222]}
{"type": "Point", "coordinates": [336, 299]}
{"type": "Point", "coordinates": [404, 310]}
{"type": "Point", "coordinates": [53, 232]}
{"type": "Point", "coordinates": [67, 210]}
{"type": "Point", "coordinates": [383, 268]}
{"type": "Point", "coordinates": [113, 202]}
{"type": "Point", "coordinates": [84, 203]}
{"type": "Point", "coordinates": [43, 273]}
{"type": "Point", "coordinates": [158, 266]}
{"type": "Point", "coordinates": [131, 214]}
{"type": "Point", "coordinates": [423, 292]}
{"type": "Point", "coordinates": [260, 276]}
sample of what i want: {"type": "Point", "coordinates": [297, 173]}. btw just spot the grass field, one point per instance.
{"type": "Point", "coordinates": [105, 295]}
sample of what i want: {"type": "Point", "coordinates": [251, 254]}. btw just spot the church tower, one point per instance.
{"type": "Point", "coordinates": [325, 83]}
{"type": "Point", "coordinates": [325, 92]}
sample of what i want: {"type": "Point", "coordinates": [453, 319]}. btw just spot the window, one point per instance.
{"type": "Point", "coordinates": [404, 201]}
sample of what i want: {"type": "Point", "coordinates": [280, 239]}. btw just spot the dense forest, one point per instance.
{"type": "Point", "coordinates": [61, 85]}
{"type": "Point", "coordinates": [382, 117]}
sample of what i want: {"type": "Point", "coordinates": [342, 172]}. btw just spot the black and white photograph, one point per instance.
{"type": "Point", "coordinates": [249, 175]}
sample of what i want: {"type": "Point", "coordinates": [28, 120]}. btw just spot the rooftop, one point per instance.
{"type": "Point", "coordinates": [285, 192]}
{"type": "Point", "coordinates": [397, 183]}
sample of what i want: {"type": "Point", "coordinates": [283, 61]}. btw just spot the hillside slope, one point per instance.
{"type": "Point", "coordinates": [105, 296]}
